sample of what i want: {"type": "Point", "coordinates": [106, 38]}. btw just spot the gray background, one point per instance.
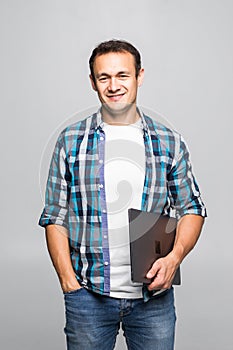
{"type": "Point", "coordinates": [187, 52]}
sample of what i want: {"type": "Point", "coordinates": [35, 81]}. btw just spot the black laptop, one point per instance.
{"type": "Point", "coordinates": [152, 236]}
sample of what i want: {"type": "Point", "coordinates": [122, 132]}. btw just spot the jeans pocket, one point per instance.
{"type": "Point", "coordinates": [72, 292]}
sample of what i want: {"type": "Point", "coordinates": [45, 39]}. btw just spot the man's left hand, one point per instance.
{"type": "Point", "coordinates": [162, 273]}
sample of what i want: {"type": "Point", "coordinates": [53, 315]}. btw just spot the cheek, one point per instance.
{"type": "Point", "coordinates": [133, 88]}
{"type": "Point", "coordinates": [100, 89]}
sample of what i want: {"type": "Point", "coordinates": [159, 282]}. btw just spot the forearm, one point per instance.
{"type": "Point", "coordinates": [188, 231]}
{"type": "Point", "coordinates": [58, 247]}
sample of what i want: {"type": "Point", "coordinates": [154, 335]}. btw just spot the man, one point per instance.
{"type": "Point", "coordinates": [117, 159]}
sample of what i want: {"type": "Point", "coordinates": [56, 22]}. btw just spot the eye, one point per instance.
{"type": "Point", "coordinates": [103, 79]}
{"type": "Point", "coordinates": [123, 76]}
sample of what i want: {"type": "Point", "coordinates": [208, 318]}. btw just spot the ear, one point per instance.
{"type": "Point", "coordinates": [92, 82]}
{"type": "Point", "coordinates": [140, 77]}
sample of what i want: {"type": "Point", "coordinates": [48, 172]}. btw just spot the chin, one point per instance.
{"type": "Point", "coordinates": [117, 107]}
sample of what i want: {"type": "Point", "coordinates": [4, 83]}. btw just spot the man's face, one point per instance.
{"type": "Point", "coordinates": [115, 80]}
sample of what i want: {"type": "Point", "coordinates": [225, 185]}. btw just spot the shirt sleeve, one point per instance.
{"type": "Point", "coordinates": [183, 190]}
{"type": "Point", "coordinates": [57, 189]}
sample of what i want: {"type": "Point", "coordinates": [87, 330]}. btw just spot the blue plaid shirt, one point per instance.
{"type": "Point", "coordinates": [75, 193]}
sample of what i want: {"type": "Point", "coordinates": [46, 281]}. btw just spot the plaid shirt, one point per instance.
{"type": "Point", "coordinates": [75, 193]}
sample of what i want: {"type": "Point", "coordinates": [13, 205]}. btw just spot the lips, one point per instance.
{"type": "Point", "coordinates": [115, 98]}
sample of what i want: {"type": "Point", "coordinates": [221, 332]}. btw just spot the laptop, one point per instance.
{"type": "Point", "coordinates": [152, 236]}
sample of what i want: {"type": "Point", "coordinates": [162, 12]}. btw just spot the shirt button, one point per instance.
{"type": "Point", "coordinates": [101, 161]}
{"type": "Point", "coordinates": [101, 138]}
{"type": "Point", "coordinates": [106, 263]}
{"type": "Point", "coordinates": [105, 236]}
{"type": "Point", "coordinates": [104, 211]}
{"type": "Point", "coordinates": [101, 185]}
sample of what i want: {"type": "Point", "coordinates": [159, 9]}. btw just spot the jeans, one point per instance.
{"type": "Point", "coordinates": [93, 321]}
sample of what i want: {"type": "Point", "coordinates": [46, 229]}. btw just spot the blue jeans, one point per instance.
{"type": "Point", "coordinates": [93, 321]}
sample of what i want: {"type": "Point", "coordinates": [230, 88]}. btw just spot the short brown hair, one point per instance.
{"type": "Point", "coordinates": [115, 46]}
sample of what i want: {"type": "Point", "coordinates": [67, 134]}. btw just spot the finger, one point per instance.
{"type": "Point", "coordinates": [156, 285]}
{"type": "Point", "coordinates": [154, 270]}
{"type": "Point", "coordinates": [157, 282]}
{"type": "Point", "coordinates": [163, 280]}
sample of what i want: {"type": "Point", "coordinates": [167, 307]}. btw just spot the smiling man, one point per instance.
{"type": "Point", "coordinates": [114, 160]}
{"type": "Point", "coordinates": [116, 80]}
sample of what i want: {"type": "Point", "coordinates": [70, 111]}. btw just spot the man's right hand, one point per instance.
{"type": "Point", "coordinates": [70, 286]}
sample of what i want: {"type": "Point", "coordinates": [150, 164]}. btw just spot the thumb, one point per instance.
{"type": "Point", "coordinates": [153, 271]}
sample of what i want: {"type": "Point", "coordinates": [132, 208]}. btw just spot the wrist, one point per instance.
{"type": "Point", "coordinates": [176, 257]}
{"type": "Point", "coordinates": [69, 283]}
{"type": "Point", "coordinates": [68, 286]}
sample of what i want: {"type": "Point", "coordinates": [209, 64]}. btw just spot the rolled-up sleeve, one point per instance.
{"type": "Point", "coordinates": [183, 190]}
{"type": "Point", "coordinates": [57, 189]}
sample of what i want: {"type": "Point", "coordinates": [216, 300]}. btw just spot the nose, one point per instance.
{"type": "Point", "coordinates": [113, 85]}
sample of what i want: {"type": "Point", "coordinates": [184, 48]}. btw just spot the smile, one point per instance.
{"type": "Point", "coordinates": [115, 97]}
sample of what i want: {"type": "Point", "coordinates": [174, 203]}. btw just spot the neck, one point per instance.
{"type": "Point", "coordinates": [123, 116]}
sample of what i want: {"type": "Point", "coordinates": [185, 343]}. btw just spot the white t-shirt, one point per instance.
{"type": "Point", "coordinates": [124, 174]}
